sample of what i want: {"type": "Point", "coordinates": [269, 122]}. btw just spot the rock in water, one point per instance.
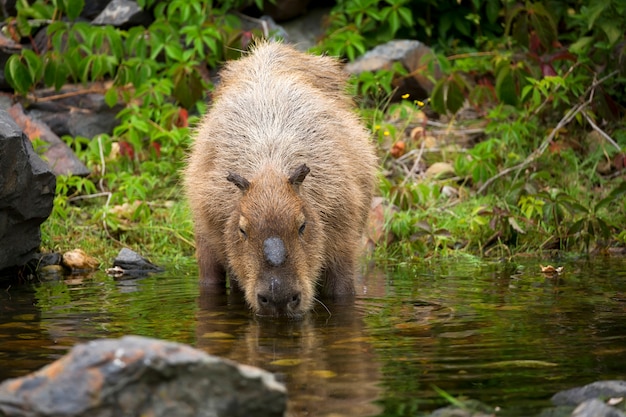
{"type": "Point", "coordinates": [138, 376]}
{"type": "Point", "coordinates": [27, 189]}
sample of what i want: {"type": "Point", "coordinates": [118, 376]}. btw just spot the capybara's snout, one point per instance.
{"type": "Point", "coordinates": [277, 297]}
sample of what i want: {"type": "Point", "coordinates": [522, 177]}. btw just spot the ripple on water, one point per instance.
{"type": "Point", "coordinates": [504, 334]}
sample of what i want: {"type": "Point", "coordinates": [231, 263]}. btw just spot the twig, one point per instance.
{"type": "Point", "coordinates": [544, 145]}
{"type": "Point", "coordinates": [61, 96]}
{"type": "Point", "coordinates": [601, 132]}
{"type": "Point", "coordinates": [89, 196]}
{"type": "Point", "coordinates": [102, 162]}
{"type": "Point", "coordinates": [415, 164]}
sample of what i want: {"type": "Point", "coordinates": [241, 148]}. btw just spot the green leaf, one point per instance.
{"type": "Point", "coordinates": [595, 9]}
{"type": "Point", "coordinates": [73, 8]}
{"type": "Point", "coordinates": [110, 98]}
{"type": "Point", "coordinates": [505, 86]}
{"type": "Point", "coordinates": [174, 51]}
{"type": "Point", "coordinates": [34, 63]}
{"type": "Point", "coordinates": [612, 31]}
{"type": "Point", "coordinates": [577, 227]}
{"type": "Point", "coordinates": [394, 22]}
{"type": "Point", "coordinates": [492, 10]}
{"type": "Point", "coordinates": [614, 196]}
{"type": "Point", "coordinates": [543, 24]}
{"type": "Point", "coordinates": [187, 87]}
{"type": "Point", "coordinates": [17, 74]}
{"type": "Point", "coordinates": [456, 95]}
{"type": "Point", "coordinates": [407, 16]}
{"type": "Point", "coordinates": [437, 99]}
{"type": "Point", "coordinates": [55, 72]}
{"type": "Point", "coordinates": [581, 45]}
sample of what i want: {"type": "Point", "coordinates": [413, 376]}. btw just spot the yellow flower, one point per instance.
{"type": "Point", "coordinates": [386, 133]}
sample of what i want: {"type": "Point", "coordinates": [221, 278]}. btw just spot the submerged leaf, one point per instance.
{"type": "Point", "coordinates": [526, 363]}
{"type": "Point", "coordinates": [287, 362]}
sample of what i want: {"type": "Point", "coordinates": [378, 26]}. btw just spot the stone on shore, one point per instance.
{"type": "Point", "coordinates": [138, 376]}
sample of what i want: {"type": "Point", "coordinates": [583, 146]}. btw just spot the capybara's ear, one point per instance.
{"type": "Point", "coordinates": [241, 183]}
{"type": "Point", "coordinates": [299, 174]}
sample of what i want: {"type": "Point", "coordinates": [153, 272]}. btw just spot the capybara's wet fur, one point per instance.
{"type": "Point", "coordinates": [280, 180]}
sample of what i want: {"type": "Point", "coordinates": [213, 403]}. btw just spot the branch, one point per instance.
{"type": "Point", "coordinates": [601, 132]}
{"type": "Point", "coordinates": [544, 145]}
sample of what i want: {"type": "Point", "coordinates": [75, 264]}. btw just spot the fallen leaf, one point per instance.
{"type": "Point", "coordinates": [323, 373]}
{"type": "Point", "coordinates": [398, 149]}
{"type": "Point", "coordinates": [550, 270]}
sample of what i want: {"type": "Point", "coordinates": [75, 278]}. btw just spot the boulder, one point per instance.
{"type": "Point", "coordinates": [138, 376]}
{"type": "Point", "coordinates": [598, 389]}
{"type": "Point", "coordinates": [596, 408]}
{"type": "Point", "coordinates": [123, 14]}
{"type": "Point", "coordinates": [27, 188]}
{"type": "Point", "coordinates": [60, 157]}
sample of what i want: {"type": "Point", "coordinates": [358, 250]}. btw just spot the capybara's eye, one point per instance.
{"type": "Point", "coordinates": [301, 229]}
{"type": "Point", "coordinates": [244, 235]}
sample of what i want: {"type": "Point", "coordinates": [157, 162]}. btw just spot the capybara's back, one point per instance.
{"type": "Point", "coordinates": [280, 180]}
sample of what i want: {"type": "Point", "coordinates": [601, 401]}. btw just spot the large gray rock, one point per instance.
{"type": "Point", "coordinates": [414, 56]}
{"type": "Point", "coordinates": [598, 389]}
{"type": "Point", "coordinates": [138, 376]}
{"type": "Point", "coordinates": [596, 408]}
{"type": "Point", "coordinates": [27, 189]}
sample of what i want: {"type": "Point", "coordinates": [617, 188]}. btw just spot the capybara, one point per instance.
{"type": "Point", "coordinates": [279, 180]}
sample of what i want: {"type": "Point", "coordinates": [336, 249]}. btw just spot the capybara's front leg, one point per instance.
{"type": "Point", "coordinates": [212, 272]}
{"type": "Point", "coordinates": [339, 278]}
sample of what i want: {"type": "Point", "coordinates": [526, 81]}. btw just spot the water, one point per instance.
{"type": "Point", "coordinates": [501, 333]}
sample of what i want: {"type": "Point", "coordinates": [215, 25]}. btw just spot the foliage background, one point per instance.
{"type": "Point", "coordinates": [542, 81]}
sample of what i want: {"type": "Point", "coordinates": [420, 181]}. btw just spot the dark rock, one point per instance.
{"type": "Point", "coordinates": [598, 389]}
{"type": "Point", "coordinates": [304, 31]}
{"type": "Point", "coordinates": [27, 189]}
{"type": "Point", "coordinates": [123, 14]}
{"type": "Point", "coordinates": [413, 55]}
{"type": "Point", "coordinates": [40, 260]}
{"type": "Point", "coordinates": [8, 7]}
{"type": "Point", "coordinates": [59, 156]}
{"type": "Point", "coordinates": [93, 8]}
{"type": "Point", "coordinates": [130, 263]}
{"type": "Point", "coordinates": [85, 115]}
{"type": "Point", "coordinates": [138, 376]}
{"type": "Point", "coordinates": [596, 408]}
{"type": "Point", "coordinates": [281, 10]}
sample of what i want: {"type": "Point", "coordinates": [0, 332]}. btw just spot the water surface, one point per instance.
{"type": "Point", "coordinates": [501, 333]}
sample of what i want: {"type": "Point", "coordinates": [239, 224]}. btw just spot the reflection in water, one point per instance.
{"type": "Point", "coordinates": [501, 333]}
{"type": "Point", "coordinates": [326, 361]}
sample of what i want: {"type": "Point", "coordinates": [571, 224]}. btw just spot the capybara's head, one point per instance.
{"type": "Point", "coordinates": [273, 242]}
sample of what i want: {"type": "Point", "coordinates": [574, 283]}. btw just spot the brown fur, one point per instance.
{"type": "Point", "coordinates": [277, 114]}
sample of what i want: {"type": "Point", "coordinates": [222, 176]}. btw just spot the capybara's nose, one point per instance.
{"type": "Point", "coordinates": [278, 304]}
